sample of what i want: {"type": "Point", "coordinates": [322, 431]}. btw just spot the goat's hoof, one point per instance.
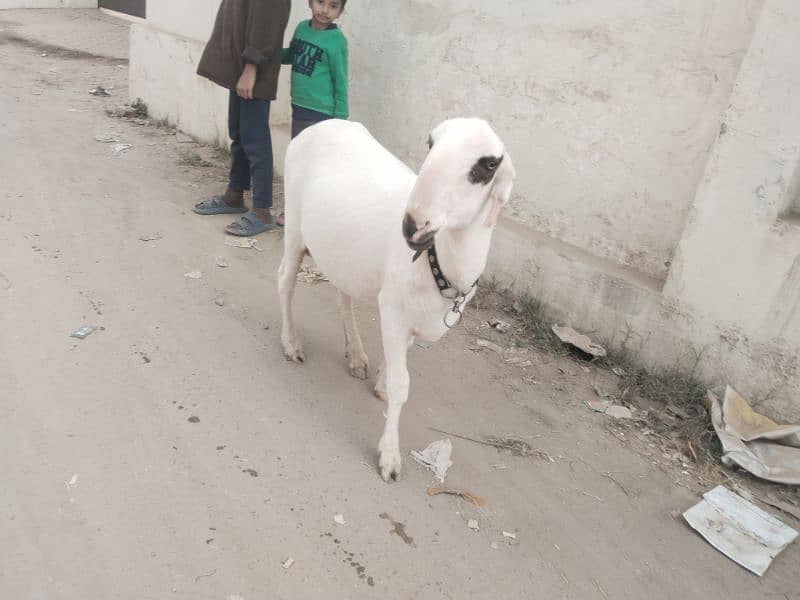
{"type": "Point", "coordinates": [390, 465]}
{"type": "Point", "coordinates": [380, 395]}
{"type": "Point", "coordinates": [294, 353]}
{"type": "Point", "coordinates": [360, 372]}
{"type": "Point", "coordinates": [359, 367]}
{"type": "Point", "coordinates": [296, 357]}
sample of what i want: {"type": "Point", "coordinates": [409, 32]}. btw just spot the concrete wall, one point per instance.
{"type": "Point", "coordinates": [656, 145]}
{"type": "Point", "coordinates": [737, 268]}
{"type": "Point", "coordinates": [48, 4]}
{"type": "Point", "coordinates": [191, 19]}
{"type": "Point", "coordinates": [608, 107]}
{"type": "Point", "coordinates": [162, 72]}
{"type": "Point", "coordinates": [163, 58]}
{"type": "Point", "coordinates": [732, 296]}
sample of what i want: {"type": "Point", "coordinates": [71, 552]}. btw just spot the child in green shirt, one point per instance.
{"type": "Point", "coordinates": [318, 55]}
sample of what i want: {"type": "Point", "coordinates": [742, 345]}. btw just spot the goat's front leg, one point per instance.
{"type": "Point", "coordinates": [396, 335]}
{"type": "Point", "coordinates": [380, 384]}
{"type": "Point", "coordinates": [357, 360]}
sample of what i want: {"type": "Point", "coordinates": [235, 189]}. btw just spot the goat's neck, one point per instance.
{"type": "Point", "coordinates": [463, 253]}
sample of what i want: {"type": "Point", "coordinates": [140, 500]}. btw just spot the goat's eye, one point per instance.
{"type": "Point", "coordinates": [484, 169]}
{"type": "Point", "coordinates": [430, 142]}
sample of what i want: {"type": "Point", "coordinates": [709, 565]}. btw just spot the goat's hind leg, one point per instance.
{"type": "Point", "coordinates": [357, 360]}
{"type": "Point", "coordinates": [293, 252]}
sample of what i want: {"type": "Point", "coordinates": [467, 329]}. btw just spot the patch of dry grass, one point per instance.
{"type": "Point", "coordinates": [193, 159]}
{"type": "Point", "coordinates": [675, 395]}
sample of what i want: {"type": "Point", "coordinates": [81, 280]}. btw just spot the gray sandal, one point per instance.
{"type": "Point", "coordinates": [249, 225]}
{"type": "Point", "coordinates": [217, 206]}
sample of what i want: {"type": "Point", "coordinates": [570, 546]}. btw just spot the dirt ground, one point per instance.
{"type": "Point", "coordinates": [174, 453]}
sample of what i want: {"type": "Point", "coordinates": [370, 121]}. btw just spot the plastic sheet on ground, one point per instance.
{"type": "Point", "coordinates": [752, 441]}
{"type": "Point", "coordinates": [240, 242]}
{"type": "Point", "coordinates": [308, 274]}
{"type": "Point", "coordinates": [739, 529]}
{"type": "Point", "coordinates": [582, 342]}
{"type": "Point", "coordinates": [121, 148]}
{"type": "Point", "coordinates": [84, 332]}
{"type": "Point", "coordinates": [436, 457]}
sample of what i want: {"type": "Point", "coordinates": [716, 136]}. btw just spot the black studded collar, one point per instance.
{"type": "Point", "coordinates": [448, 290]}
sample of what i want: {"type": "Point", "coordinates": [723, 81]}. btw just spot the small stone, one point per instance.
{"type": "Point", "coordinates": [500, 326]}
{"type": "Point", "coordinates": [619, 412]}
{"type": "Point", "coordinates": [473, 525]}
{"type": "Point", "coordinates": [489, 346]}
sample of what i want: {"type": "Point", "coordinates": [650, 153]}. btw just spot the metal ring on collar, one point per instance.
{"type": "Point", "coordinates": [450, 323]}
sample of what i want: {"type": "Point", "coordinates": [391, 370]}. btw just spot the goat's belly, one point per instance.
{"type": "Point", "coordinates": [352, 256]}
{"type": "Point", "coordinates": [356, 274]}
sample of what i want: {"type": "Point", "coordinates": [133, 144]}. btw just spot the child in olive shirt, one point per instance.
{"type": "Point", "coordinates": [318, 55]}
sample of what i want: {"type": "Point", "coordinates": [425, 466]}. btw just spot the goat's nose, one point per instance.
{"type": "Point", "coordinates": [409, 226]}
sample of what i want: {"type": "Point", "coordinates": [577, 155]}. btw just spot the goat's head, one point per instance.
{"type": "Point", "coordinates": [466, 179]}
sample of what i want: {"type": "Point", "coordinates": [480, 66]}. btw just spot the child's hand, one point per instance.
{"type": "Point", "coordinates": [244, 88]}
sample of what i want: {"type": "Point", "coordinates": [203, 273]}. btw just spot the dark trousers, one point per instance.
{"type": "Point", "coordinates": [304, 118]}
{"type": "Point", "coordinates": [251, 148]}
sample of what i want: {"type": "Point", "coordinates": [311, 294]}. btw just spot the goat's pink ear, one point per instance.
{"type": "Point", "coordinates": [500, 193]}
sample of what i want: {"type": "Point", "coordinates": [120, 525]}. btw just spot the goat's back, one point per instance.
{"type": "Point", "coordinates": [345, 197]}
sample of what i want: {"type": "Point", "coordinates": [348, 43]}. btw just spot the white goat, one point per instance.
{"type": "Point", "coordinates": [363, 215]}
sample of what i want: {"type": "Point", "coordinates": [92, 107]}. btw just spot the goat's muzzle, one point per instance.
{"type": "Point", "coordinates": [417, 239]}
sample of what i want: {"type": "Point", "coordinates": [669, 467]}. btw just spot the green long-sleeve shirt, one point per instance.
{"type": "Point", "coordinates": [319, 69]}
